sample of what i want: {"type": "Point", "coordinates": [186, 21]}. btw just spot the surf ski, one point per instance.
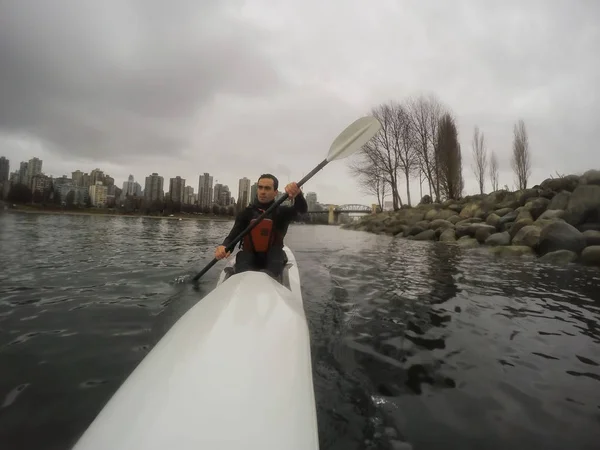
{"type": "Point", "coordinates": [234, 372]}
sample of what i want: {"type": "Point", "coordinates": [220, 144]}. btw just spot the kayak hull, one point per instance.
{"type": "Point", "coordinates": [234, 372]}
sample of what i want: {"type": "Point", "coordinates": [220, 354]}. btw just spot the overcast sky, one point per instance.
{"type": "Point", "coordinates": [236, 88]}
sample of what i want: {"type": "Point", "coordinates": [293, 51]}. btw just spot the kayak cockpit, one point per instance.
{"type": "Point", "coordinates": [284, 280]}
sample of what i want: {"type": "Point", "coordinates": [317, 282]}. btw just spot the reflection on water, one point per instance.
{"type": "Point", "coordinates": [412, 341]}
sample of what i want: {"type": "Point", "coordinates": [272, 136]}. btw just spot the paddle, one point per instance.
{"type": "Point", "coordinates": [348, 142]}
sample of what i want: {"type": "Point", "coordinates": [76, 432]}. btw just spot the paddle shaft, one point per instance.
{"type": "Point", "coordinates": [249, 228]}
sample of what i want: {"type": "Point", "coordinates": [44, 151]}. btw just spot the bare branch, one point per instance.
{"type": "Point", "coordinates": [494, 172]}
{"type": "Point", "coordinates": [385, 150]}
{"type": "Point", "coordinates": [521, 158]}
{"type": "Point", "coordinates": [424, 114]}
{"type": "Point", "coordinates": [404, 145]}
{"type": "Point", "coordinates": [480, 158]}
{"type": "Point", "coordinates": [370, 178]}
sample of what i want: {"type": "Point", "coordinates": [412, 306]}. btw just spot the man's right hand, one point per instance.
{"type": "Point", "coordinates": [220, 252]}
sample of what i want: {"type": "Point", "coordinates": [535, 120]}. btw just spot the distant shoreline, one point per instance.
{"type": "Point", "coordinates": [106, 214]}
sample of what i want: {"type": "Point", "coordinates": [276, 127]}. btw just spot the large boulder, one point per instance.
{"type": "Point", "coordinates": [493, 219]}
{"type": "Point", "coordinates": [484, 232]}
{"type": "Point", "coordinates": [584, 205]}
{"type": "Point", "coordinates": [503, 211]}
{"type": "Point", "coordinates": [514, 229]}
{"type": "Point", "coordinates": [447, 235]}
{"type": "Point", "coordinates": [591, 255]}
{"type": "Point", "coordinates": [592, 237]}
{"type": "Point", "coordinates": [525, 195]}
{"type": "Point", "coordinates": [414, 230]}
{"type": "Point", "coordinates": [559, 257]}
{"type": "Point", "coordinates": [537, 206]}
{"type": "Point", "coordinates": [508, 217]}
{"type": "Point", "coordinates": [440, 223]}
{"type": "Point", "coordinates": [434, 214]}
{"type": "Point", "coordinates": [551, 214]}
{"type": "Point", "coordinates": [568, 183]}
{"type": "Point", "coordinates": [469, 229]}
{"type": "Point", "coordinates": [470, 210]}
{"type": "Point", "coordinates": [498, 239]}
{"type": "Point", "coordinates": [561, 236]}
{"type": "Point", "coordinates": [524, 214]}
{"type": "Point", "coordinates": [528, 235]}
{"type": "Point", "coordinates": [427, 235]}
{"type": "Point", "coordinates": [591, 177]}
{"type": "Point", "coordinates": [467, 242]}
{"type": "Point", "coordinates": [560, 200]}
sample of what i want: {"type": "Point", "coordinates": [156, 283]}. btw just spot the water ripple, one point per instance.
{"type": "Point", "coordinates": [412, 341]}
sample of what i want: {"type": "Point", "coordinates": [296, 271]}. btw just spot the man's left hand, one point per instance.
{"type": "Point", "coordinates": [292, 189]}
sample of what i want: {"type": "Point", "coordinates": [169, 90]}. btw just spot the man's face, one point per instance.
{"type": "Point", "coordinates": [266, 190]}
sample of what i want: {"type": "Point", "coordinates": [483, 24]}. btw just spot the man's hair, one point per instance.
{"type": "Point", "coordinates": [272, 177]}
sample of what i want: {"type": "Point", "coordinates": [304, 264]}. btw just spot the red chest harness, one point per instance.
{"type": "Point", "coordinates": [262, 236]}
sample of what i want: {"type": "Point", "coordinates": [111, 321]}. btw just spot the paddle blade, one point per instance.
{"type": "Point", "coordinates": [353, 138]}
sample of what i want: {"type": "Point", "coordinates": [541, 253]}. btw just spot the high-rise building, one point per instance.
{"type": "Point", "coordinates": [129, 186]}
{"type": "Point", "coordinates": [253, 191]}
{"type": "Point", "coordinates": [244, 192]}
{"type": "Point", "coordinates": [176, 189]}
{"type": "Point", "coordinates": [34, 167]}
{"type": "Point", "coordinates": [77, 178]}
{"type": "Point", "coordinates": [188, 195]}
{"type": "Point", "coordinates": [4, 169]}
{"type": "Point", "coordinates": [221, 194]}
{"type": "Point", "coordinates": [153, 190]}
{"type": "Point", "coordinates": [311, 200]}
{"type": "Point", "coordinates": [96, 175]}
{"type": "Point", "coordinates": [205, 190]}
{"type": "Point", "coordinates": [225, 196]}
{"type": "Point", "coordinates": [40, 183]}
{"type": "Point", "coordinates": [98, 194]}
{"type": "Point", "coordinates": [217, 193]}
{"type": "Point", "coordinates": [23, 170]}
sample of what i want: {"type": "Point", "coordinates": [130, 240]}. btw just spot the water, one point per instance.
{"type": "Point", "coordinates": [411, 341]}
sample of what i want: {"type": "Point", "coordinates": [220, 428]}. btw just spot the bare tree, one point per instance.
{"type": "Point", "coordinates": [404, 145]}
{"type": "Point", "coordinates": [480, 158]}
{"type": "Point", "coordinates": [521, 158]}
{"type": "Point", "coordinates": [424, 114]}
{"type": "Point", "coordinates": [494, 171]}
{"type": "Point", "coordinates": [382, 152]}
{"type": "Point", "coordinates": [448, 153]}
{"type": "Point", "coordinates": [371, 179]}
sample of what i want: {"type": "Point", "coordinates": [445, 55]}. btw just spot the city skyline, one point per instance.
{"type": "Point", "coordinates": [270, 94]}
{"type": "Point", "coordinates": [154, 187]}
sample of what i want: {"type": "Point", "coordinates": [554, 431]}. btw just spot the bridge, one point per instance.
{"type": "Point", "coordinates": [334, 211]}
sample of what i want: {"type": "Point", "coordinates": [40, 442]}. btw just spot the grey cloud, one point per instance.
{"type": "Point", "coordinates": [239, 88]}
{"type": "Point", "coordinates": [122, 78]}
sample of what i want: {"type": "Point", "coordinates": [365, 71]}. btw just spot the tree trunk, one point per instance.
{"type": "Point", "coordinates": [407, 186]}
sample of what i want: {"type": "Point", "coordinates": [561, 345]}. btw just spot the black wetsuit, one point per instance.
{"type": "Point", "coordinates": [273, 260]}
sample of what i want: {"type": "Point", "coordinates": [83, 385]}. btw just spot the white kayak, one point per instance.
{"type": "Point", "coordinates": [233, 373]}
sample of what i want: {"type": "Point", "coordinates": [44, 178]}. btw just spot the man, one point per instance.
{"type": "Point", "coordinates": [262, 248]}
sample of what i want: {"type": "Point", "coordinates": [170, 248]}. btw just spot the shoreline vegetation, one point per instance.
{"type": "Point", "coordinates": [104, 212]}
{"type": "Point", "coordinates": [558, 220]}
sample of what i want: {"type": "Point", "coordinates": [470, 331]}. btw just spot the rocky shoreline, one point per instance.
{"type": "Point", "coordinates": [558, 220]}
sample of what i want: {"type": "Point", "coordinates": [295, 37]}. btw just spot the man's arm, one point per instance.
{"type": "Point", "coordinates": [300, 204]}
{"type": "Point", "coordinates": [241, 222]}
{"type": "Point", "coordinates": [300, 207]}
